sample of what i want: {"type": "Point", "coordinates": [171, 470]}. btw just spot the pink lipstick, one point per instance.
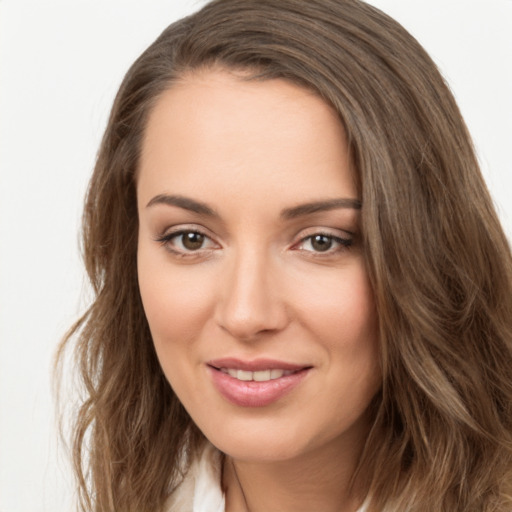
{"type": "Point", "coordinates": [255, 383]}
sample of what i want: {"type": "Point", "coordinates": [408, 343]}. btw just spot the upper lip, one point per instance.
{"type": "Point", "coordinates": [255, 365]}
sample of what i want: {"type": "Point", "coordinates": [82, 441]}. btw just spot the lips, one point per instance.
{"type": "Point", "coordinates": [258, 376]}
{"type": "Point", "coordinates": [255, 383]}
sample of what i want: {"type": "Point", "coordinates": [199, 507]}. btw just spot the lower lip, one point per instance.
{"type": "Point", "coordinates": [252, 393]}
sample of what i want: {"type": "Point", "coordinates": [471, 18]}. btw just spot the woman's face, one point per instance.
{"type": "Point", "coordinates": [251, 268]}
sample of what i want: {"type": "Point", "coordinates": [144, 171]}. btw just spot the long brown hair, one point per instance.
{"type": "Point", "coordinates": [439, 263]}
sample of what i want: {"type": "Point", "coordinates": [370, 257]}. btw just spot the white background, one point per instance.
{"type": "Point", "coordinates": [60, 65]}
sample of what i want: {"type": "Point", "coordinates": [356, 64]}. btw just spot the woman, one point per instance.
{"type": "Point", "coordinates": [303, 293]}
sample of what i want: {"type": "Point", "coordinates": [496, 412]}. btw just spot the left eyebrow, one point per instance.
{"type": "Point", "coordinates": [320, 206]}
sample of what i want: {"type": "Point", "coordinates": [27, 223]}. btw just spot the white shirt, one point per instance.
{"type": "Point", "coordinates": [200, 491]}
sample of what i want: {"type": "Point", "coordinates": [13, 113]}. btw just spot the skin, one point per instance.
{"type": "Point", "coordinates": [257, 286]}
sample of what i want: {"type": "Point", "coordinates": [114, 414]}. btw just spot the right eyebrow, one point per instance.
{"type": "Point", "coordinates": [183, 202]}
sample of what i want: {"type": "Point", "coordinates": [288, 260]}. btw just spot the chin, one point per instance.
{"type": "Point", "coordinates": [265, 441]}
{"type": "Point", "coordinates": [260, 450]}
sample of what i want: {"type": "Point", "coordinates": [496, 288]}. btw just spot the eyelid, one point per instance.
{"type": "Point", "coordinates": [175, 231]}
{"type": "Point", "coordinates": [320, 230]}
{"type": "Point", "coordinates": [337, 235]}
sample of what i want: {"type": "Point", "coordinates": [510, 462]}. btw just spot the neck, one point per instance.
{"type": "Point", "coordinates": [314, 481]}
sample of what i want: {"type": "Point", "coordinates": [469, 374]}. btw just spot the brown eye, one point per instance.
{"type": "Point", "coordinates": [188, 242]}
{"type": "Point", "coordinates": [321, 243]}
{"type": "Point", "coordinates": [192, 241]}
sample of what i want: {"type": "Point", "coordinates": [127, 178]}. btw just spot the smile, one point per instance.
{"type": "Point", "coordinates": [255, 384]}
{"type": "Point", "coordinates": [258, 376]}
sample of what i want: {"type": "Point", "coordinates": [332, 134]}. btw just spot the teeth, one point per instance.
{"type": "Point", "coordinates": [275, 374]}
{"type": "Point", "coordinates": [259, 376]}
{"type": "Point", "coordinates": [243, 375]}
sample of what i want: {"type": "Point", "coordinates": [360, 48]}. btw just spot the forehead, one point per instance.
{"type": "Point", "coordinates": [213, 129]}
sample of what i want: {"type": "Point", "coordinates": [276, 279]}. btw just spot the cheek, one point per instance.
{"type": "Point", "coordinates": [338, 305]}
{"type": "Point", "coordinates": [177, 303]}
{"type": "Point", "coordinates": [340, 313]}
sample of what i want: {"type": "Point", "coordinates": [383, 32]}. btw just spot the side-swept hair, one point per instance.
{"type": "Point", "coordinates": [439, 264]}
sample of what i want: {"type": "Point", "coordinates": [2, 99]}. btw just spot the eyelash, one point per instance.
{"type": "Point", "coordinates": [343, 244]}
{"type": "Point", "coordinates": [166, 241]}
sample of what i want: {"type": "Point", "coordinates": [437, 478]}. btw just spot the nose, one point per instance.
{"type": "Point", "coordinates": [251, 301]}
